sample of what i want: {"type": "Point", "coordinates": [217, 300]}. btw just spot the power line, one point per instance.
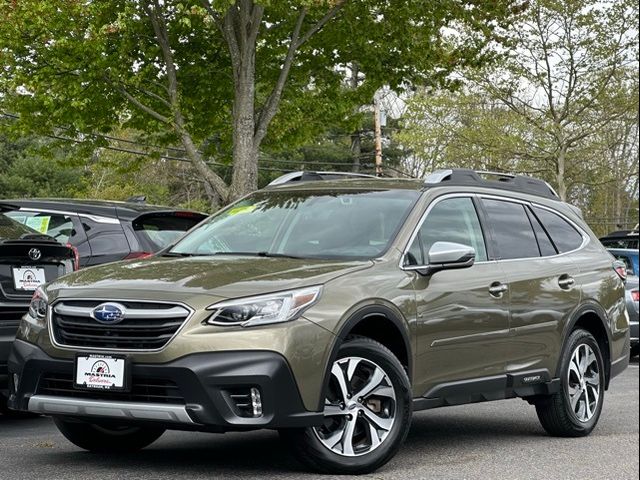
{"type": "Point", "coordinates": [183, 159]}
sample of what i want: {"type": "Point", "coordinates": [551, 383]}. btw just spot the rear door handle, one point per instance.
{"type": "Point", "coordinates": [566, 282]}
{"type": "Point", "coordinates": [497, 289]}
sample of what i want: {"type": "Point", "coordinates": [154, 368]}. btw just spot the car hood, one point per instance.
{"type": "Point", "coordinates": [185, 279]}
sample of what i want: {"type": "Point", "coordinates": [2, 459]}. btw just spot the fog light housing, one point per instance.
{"type": "Point", "coordinates": [16, 381]}
{"type": "Point", "coordinates": [256, 402]}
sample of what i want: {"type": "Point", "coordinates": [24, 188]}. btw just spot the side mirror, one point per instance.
{"type": "Point", "coordinates": [446, 256]}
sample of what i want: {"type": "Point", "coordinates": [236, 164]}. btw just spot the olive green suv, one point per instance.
{"type": "Point", "coordinates": [330, 311]}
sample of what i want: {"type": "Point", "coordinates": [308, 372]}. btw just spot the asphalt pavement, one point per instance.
{"type": "Point", "coordinates": [483, 441]}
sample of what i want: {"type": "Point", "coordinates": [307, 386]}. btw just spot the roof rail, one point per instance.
{"type": "Point", "coordinates": [502, 181]}
{"type": "Point", "coordinates": [311, 176]}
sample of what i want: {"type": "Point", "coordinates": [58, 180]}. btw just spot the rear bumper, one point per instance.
{"type": "Point", "coordinates": [200, 396]}
{"type": "Point", "coordinates": [634, 333]}
{"type": "Point", "coordinates": [10, 315]}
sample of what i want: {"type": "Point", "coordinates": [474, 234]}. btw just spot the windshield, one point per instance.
{"type": "Point", "coordinates": [332, 225]}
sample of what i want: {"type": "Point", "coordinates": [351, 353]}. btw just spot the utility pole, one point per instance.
{"type": "Point", "coordinates": [356, 149]}
{"type": "Point", "coordinates": [378, 137]}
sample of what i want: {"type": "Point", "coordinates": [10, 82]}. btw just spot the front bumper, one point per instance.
{"type": "Point", "coordinates": [195, 392]}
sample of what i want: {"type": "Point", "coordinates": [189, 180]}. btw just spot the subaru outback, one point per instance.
{"type": "Point", "coordinates": [331, 311]}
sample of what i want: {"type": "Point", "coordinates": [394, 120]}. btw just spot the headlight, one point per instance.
{"type": "Point", "coordinates": [39, 304]}
{"type": "Point", "coordinates": [264, 309]}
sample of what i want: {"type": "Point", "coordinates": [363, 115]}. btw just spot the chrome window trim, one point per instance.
{"type": "Point", "coordinates": [586, 239]}
{"type": "Point", "coordinates": [100, 219]}
{"type": "Point", "coordinates": [116, 350]}
{"type": "Point", "coordinates": [46, 210]}
{"type": "Point", "coordinates": [95, 218]}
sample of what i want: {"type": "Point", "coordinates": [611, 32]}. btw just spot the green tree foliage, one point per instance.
{"type": "Point", "coordinates": [211, 76]}
{"type": "Point", "coordinates": [29, 169]}
{"type": "Point", "coordinates": [562, 105]}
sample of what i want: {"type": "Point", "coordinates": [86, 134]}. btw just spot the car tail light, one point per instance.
{"type": "Point", "coordinates": [76, 257]}
{"type": "Point", "coordinates": [133, 255]}
{"type": "Point", "coordinates": [621, 270]}
{"type": "Point", "coordinates": [635, 295]}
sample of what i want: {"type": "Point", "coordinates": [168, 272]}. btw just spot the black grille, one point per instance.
{"type": "Point", "coordinates": [10, 316]}
{"type": "Point", "coordinates": [146, 390]}
{"type": "Point", "coordinates": [146, 326]}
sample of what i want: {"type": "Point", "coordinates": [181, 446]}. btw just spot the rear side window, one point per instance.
{"type": "Point", "coordinates": [451, 220]}
{"type": "Point", "coordinates": [512, 231]}
{"type": "Point", "coordinates": [562, 233]}
{"type": "Point", "coordinates": [11, 229]}
{"type": "Point", "coordinates": [56, 225]}
{"type": "Point", "coordinates": [620, 243]}
{"type": "Point", "coordinates": [164, 229]}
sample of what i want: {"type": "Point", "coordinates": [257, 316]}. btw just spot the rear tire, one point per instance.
{"type": "Point", "coordinates": [574, 411]}
{"type": "Point", "coordinates": [107, 439]}
{"type": "Point", "coordinates": [367, 412]}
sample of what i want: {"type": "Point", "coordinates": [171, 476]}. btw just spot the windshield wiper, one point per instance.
{"type": "Point", "coordinates": [277, 255]}
{"type": "Point", "coordinates": [179, 254]}
{"type": "Point", "coordinates": [240, 254]}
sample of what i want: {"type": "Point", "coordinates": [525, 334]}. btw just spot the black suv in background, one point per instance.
{"type": "Point", "coordinates": [621, 239]}
{"type": "Point", "coordinates": [104, 231]}
{"type": "Point", "coordinates": [28, 259]}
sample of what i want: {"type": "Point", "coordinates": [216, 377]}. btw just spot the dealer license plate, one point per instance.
{"type": "Point", "coordinates": [28, 278]}
{"type": "Point", "coordinates": [103, 372]}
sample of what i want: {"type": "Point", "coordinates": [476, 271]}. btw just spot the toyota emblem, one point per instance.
{"type": "Point", "coordinates": [35, 254]}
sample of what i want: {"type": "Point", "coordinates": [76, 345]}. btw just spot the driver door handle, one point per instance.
{"type": "Point", "coordinates": [497, 289]}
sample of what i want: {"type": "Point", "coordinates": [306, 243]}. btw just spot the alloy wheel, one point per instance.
{"type": "Point", "coordinates": [583, 383]}
{"type": "Point", "coordinates": [360, 408]}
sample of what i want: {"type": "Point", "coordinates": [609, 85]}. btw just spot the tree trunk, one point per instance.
{"type": "Point", "coordinates": [560, 174]}
{"type": "Point", "coordinates": [245, 151]}
{"type": "Point", "coordinates": [240, 27]}
{"type": "Point", "coordinates": [356, 150]}
{"type": "Point", "coordinates": [356, 144]}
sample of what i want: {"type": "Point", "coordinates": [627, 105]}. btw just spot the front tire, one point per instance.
{"type": "Point", "coordinates": [574, 411]}
{"type": "Point", "coordinates": [107, 439]}
{"type": "Point", "coordinates": [367, 412]}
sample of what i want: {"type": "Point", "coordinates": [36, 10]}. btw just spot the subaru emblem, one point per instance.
{"type": "Point", "coordinates": [35, 254]}
{"type": "Point", "coordinates": [109, 313]}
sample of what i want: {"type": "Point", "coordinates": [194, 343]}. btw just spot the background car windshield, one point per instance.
{"type": "Point", "coordinates": [354, 224]}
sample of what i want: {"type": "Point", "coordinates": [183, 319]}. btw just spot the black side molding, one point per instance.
{"type": "Point", "coordinates": [512, 385]}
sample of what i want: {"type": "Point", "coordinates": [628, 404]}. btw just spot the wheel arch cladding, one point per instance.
{"type": "Point", "coordinates": [380, 323]}
{"type": "Point", "coordinates": [592, 319]}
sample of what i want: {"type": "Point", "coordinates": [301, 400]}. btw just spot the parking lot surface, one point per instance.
{"type": "Point", "coordinates": [483, 441]}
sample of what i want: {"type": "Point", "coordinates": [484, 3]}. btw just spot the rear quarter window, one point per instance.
{"type": "Point", "coordinates": [162, 230]}
{"type": "Point", "coordinates": [564, 235]}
